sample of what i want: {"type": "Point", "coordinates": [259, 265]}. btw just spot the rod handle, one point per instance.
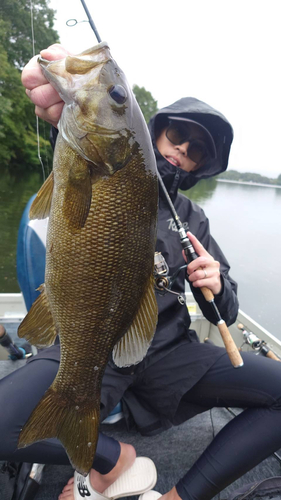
{"type": "Point", "coordinates": [270, 354]}
{"type": "Point", "coordinates": [231, 348]}
{"type": "Point", "coordinates": [208, 294]}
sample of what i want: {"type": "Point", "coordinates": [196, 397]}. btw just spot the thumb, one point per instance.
{"type": "Point", "coordinates": [54, 52]}
{"type": "Point", "coordinates": [198, 247]}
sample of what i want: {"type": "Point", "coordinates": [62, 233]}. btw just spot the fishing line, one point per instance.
{"type": "Point", "coordinates": [37, 119]}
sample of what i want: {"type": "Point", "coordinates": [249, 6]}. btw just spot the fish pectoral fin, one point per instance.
{"type": "Point", "coordinates": [41, 206]}
{"type": "Point", "coordinates": [38, 326]}
{"type": "Point", "coordinates": [133, 346]}
{"type": "Point", "coordinates": [76, 428]}
{"type": "Point", "coordinates": [78, 195]}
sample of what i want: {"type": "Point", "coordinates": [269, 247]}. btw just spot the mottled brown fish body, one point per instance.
{"type": "Point", "coordinates": [98, 294]}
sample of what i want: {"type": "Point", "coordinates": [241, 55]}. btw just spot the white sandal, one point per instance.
{"type": "Point", "coordinates": [140, 478]}
{"type": "Point", "coordinates": [150, 495]}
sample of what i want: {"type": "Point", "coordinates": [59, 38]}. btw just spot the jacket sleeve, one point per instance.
{"type": "Point", "coordinates": [226, 301]}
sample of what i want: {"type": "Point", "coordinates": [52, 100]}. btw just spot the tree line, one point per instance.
{"type": "Point", "coordinates": [18, 136]}
{"type": "Point", "coordinates": [18, 130]}
{"type": "Point", "coordinates": [233, 175]}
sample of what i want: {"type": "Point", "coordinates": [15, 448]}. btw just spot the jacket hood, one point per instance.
{"type": "Point", "coordinates": [217, 125]}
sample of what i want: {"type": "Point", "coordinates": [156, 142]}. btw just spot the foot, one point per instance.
{"type": "Point", "coordinates": [171, 495]}
{"type": "Point", "coordinates": [100, 482]}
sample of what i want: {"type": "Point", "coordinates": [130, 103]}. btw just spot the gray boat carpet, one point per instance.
{"type": "Point", "coordinates": [174, 451]}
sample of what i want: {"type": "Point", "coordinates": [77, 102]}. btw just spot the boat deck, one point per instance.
{"type": "Point", "coordinates": [174, 451]}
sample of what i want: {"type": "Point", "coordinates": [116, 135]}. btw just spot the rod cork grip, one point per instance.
{"type": "Point", "coordinates": [231, 348]}
{"type": "Point", "coordinates": [208, 294]}
{"type": "Point", "coordinates": [271, 355]}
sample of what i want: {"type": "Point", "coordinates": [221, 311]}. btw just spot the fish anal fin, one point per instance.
{"type": "Point", "coordinates": [41, 206]}
{"type": "Point", "coordinates": [133, 346]}
{"type": "Point", "coordinates": [38, 326]}
{"type": "Point", "coordinates": [78, 194]}
{"type": "Point", "coordinates": [76, 428]}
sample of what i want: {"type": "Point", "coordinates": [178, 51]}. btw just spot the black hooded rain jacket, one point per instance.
{"type": "Point", "coordinates": [174, 320]}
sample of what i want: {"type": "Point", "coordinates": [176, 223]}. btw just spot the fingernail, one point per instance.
{"type": "Point", "coordinates": [28, 92]}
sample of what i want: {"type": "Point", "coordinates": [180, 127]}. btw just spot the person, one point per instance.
{"type": "Point", "coordinates": [180, 377]}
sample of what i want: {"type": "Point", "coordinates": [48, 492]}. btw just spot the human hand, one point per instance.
{"type": "Point", "coordinates": [48, 103]}
{"type": "Point", "coordinates": [209, 275]}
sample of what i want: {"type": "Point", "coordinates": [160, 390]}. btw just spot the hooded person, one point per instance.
{"type": "Point", "coordinates": [174, 321]}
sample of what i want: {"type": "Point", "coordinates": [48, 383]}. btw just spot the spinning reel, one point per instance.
{"type": "Point", "coordinates": [164, 282]}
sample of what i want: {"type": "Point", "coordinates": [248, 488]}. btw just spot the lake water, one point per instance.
{"type": "Point", "coordinates": [245, 220]}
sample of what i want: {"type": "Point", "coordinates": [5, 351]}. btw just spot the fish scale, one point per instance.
{"type": "Point", "coordinates": [98, 295]}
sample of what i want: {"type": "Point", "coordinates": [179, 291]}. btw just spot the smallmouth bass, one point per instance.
{"type": "Point", "coordinates": [98, 296]}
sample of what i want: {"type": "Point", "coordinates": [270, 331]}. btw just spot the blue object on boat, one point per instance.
{"type": "Point", "coordinates": [31, 255]}
{"type": "Point", "coordinates": [115, 415]}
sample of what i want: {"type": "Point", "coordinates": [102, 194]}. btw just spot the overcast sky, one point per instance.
{"type": "Point", "coordinates": [224, 52]}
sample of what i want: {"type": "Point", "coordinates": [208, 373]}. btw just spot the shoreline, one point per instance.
{"type": "Point", "coordinates": [249, 183]}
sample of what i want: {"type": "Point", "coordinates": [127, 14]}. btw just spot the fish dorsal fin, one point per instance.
{"type": "Point", "coordinates": [41, 206]}
{"type": "Point", "coordinates": [133, 346]}
{"type": "Point", "coordinates": [38, 325]}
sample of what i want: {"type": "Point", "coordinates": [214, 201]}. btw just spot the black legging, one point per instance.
{"type": "Point", "coordinates": [243, 443]}
{"type": "Point", "coordinates": [19, 394]}
{"type": "Point", "coordinates": [247, 439]}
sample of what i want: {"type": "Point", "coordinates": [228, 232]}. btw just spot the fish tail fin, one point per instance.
{"type": "Point", "coordinates": [75, 427]}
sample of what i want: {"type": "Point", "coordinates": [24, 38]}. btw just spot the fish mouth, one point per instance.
{"type": "Point", "coordinates": [43, 62]}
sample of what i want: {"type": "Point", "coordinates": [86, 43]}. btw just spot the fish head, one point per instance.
{"type": "Point", "coordinates": [101, 119]}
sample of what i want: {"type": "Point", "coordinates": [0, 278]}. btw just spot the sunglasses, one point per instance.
{"type": "Point", "coordinates": [178, 133]}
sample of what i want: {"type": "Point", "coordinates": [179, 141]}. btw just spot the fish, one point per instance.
{"type": "Point", "coordinates": [101, 199]}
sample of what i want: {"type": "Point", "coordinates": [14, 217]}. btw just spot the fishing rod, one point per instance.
{"type": "Point", "coordinates": [92, 24]}
{"type": "Point", "coordinates": [191, 255]}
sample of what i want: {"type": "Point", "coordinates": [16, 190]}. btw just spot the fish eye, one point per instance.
{"type": "Point", "coordinates": [118, 93]}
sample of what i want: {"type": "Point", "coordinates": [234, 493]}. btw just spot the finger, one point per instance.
{"type": "Point", "coordinates": [208, 282]}
{"type": "Point", "coordinates": [44, 96]}
{"type": "Point", "coordinates": [50, 115]}
{"type": "Point", "coordinates": [198, 247]}
{"type": "Point", "coordinates": [199, 262]}
{"type": "Point", "coordinates": [54, 52]}
{"type": "Point", "coordinates": [32, 75]}
{"type": "Point", "coordinates": [200, 274]}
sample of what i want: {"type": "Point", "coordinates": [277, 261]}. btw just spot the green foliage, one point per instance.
{"type": "Point", "coordinates": [202, 191]}
{"type": "Point", "coordinates": [146, 102]}
{"type": "Point", "coordinates": [18, 136]}
{"type": "Point", "coordinates": [17, 38]}
{"type": "Point", "coordinates": [233, 175]}
{"type": "Point", "coordinates": [15, 191]}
